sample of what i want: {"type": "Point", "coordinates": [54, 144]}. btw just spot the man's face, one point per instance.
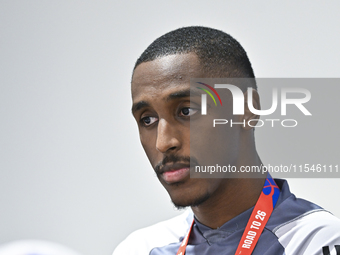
{"type": "Point", "coordinates": [163, 111]}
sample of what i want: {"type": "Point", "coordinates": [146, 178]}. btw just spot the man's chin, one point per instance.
{"type": "Point", "coordinates": [183, 202]}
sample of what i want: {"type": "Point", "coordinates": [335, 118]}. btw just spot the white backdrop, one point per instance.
{"type": "Point", "coordinates": [72, 169]}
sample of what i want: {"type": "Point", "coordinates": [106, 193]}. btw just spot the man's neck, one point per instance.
{"type": "Point", "coordinates": [235, 197]}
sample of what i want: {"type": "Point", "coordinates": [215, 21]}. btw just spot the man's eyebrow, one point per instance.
{"type": "Point", "coordinates": [139, 105]}
{"type": "Point", "coordinates": [183, 93]}
{"type": "Point", "coordinates": [178, 94]}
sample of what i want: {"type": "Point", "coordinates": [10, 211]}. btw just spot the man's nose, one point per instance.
{"type": "Point", "coordinates": [167, 137]}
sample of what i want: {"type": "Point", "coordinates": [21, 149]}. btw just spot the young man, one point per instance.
{"type": "Point", "coordinates": [228, 215]}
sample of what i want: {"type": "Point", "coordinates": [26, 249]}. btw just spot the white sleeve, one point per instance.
{"type": "Point", "coordinates": [309, 233]}
{"type": "Point", "coordinates": [142, 241]}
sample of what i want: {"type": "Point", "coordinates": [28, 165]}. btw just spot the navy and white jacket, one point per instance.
{"type": "Point", "coordinates": [296, 227]}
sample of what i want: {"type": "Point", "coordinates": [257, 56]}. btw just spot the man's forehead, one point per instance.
{"type": "Point", "coordinates": [164, 72]}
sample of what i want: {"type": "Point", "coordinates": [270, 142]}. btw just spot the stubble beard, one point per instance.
{"type": "Point", "coordinates": [193, 203]}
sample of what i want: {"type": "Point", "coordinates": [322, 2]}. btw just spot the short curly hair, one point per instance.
{"type": "Point", "coordinates": [220, 54]}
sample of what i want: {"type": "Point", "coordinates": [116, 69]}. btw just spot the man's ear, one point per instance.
{"type": "Point", "coordinates": [248, 115]}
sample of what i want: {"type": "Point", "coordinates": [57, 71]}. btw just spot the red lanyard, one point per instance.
{"type": "Point", "coordinates": [256, 223]}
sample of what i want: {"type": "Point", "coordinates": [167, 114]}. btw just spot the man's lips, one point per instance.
{"type": "Point", "coordinates": [172, 173]}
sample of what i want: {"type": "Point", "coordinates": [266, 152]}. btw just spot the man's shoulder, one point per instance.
{"type": "Point", "coordinates": [310, 233]}
{"type": "Point", "coordinates": [142, 241]}
{"type": "Point", "coordinates": [302, 227]}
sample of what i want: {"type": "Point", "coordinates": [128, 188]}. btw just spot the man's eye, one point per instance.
{"type": "Point", "coordinates": [188, 111]}
{"type": "Point", "coordinates": [147, 121]}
